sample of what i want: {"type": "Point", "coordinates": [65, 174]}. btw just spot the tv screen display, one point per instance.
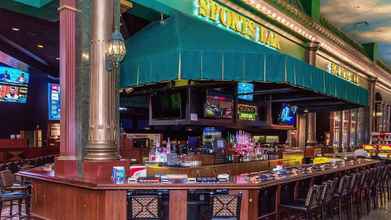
{"type": "Point", "coordinates": [12, 76]}
{"type": "Point", "coordinates": [167, 105]}
{"type": "Point", "coordinates": [247, 112]}
{"type": "Point", "coordinates": [13, 94]}
{"type": "Point", "coordinates": [287, 115]}
{"type": "Point", "coordinates": [218, 107]}
{"type": "Point", "coordinates": [245, 91]}
{"type": "Point", "coordinates": [54, 101]}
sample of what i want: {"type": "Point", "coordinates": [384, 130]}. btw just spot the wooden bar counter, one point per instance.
{"type": "Point", "coordinates": [59, 196]}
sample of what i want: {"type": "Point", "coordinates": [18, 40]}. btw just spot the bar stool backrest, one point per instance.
{"type": "Point", "coordinates": [341, 185]}
{"type": "Point", "coordinates": [7, 178]}
{"type": "Point", "coordinates": [226, 205]}
{"type": "Point", "coordinates": [145, 207]}
{"type": "Point", "coordinates": [364, 175]}
{"type": "Point", "coordinates": [314, 196]}
{"type": "Point", "coordinates": [331, 188]}
{"type": "Point", "coordinates": [353, 181]}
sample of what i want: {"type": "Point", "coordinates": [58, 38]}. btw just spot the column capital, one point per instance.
{"type": "Point", "coordinates": [372, 79]}
{"type": "Point", "coordinates": [312, 45]}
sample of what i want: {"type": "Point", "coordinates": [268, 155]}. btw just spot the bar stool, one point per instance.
{"type": "Point", "coordinates": [144, 207]}
{"type": "Point", "coordinates": [10, 192]}
{"type": "Point", "coordinates": [359, 194]}
{"type": "Point", "coordinates": [310, 205]}
{"type": "Point", "coordinates": [225, 206]}
{"type": "Point", "coordinates": [328, 196]}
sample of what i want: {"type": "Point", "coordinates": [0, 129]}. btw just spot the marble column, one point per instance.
{"type": "Point", "coordinates": [67, 14]}
{"type": "Point", "coordinates": [102, 132]}
{"type": "Point", "coordinates": [311, 50]}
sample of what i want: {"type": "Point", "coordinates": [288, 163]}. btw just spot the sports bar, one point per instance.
{"type": "Point", "coordinates": [195, 110]}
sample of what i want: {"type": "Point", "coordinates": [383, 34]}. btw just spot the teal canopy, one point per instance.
{"type": "Point", "coordinates": [183, 47]}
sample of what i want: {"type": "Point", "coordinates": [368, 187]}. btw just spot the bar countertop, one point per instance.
{"type": "Point", "coordinates": [237, 182]}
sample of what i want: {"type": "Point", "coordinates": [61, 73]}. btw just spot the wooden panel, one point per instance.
{"type": "Point", "coordinates": [178, 205]}
{"type": "Point", "coordinates": [115, 202]}
{"type": "Point", "coordinates": [253, 204]}
{"type": "Point", "coordinates": [68, 202]}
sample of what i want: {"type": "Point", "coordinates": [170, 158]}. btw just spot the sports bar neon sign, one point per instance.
{"type": "Point", "coordinates": [233, 21]}
{"type": "Point", "coordinates": [339, 71]}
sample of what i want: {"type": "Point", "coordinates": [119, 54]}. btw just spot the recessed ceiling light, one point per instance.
{"type": "Point", "coordinates": [15, 29]}
{"type": "Point", "coordinates": [40, 46]}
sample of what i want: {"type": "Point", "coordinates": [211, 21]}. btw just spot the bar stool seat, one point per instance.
{"type": "Point", "coordinates": [309, 206]}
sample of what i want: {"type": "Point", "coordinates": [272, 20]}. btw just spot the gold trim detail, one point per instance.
{"type": "Point", "coordinates": [62, 7]}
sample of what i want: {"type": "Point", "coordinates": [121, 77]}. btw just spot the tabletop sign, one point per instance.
{"type": "Point", "coordinates": [342, 72]}
{"type": "Point", "coordinates": [223, 16]}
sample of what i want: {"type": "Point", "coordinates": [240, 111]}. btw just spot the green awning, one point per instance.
{"type": "Point", "coordinates": [183, 47]}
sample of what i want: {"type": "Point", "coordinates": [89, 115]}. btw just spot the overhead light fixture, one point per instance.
{"type": "Point", "coordinates": [57, 58]}
{"type": "Point", "coordinates": [15, 29]}
{"type": "Point", "coordinates": [116, 49]}
{"type": "Point", "coordinates": [40, 46]}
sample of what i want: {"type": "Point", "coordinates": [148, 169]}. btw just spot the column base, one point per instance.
{"type": "Point", "coordinates": [89, 169]}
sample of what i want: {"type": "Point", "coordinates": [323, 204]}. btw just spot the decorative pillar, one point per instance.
{"type": "Point", "coordinates": [102, 132]}
{"type": "Point", "coordinates": [311, 50]}
{"type": "Point", "coordinates": [67, 13]}
{"type": "Point", "coordinates": [371, 108]}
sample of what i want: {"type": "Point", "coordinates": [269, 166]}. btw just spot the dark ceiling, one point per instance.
{"type": "Point", "coordinates": [32, 40]}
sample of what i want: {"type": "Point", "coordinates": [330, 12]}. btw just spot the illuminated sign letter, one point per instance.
{"type": "Point", "coordinates": [204, 9]}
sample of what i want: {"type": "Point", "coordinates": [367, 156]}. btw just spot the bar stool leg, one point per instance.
{"type": "Point", "coordinates": [11, 205]}
{"type": "Point", "coordinates": [20, 207]}
{"type": "Point", "coordinates": [27, 206]}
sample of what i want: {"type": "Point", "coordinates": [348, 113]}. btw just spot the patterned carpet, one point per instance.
{"type": "Point", "coordinates": [5, 214]}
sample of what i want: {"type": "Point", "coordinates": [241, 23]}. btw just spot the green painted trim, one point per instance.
{"type": "Point", "coordinates": [372, 50]}
{"type": "Point", "coordinates": [34, 3]}
{"type": "Point", "coordinates": [312, 8]}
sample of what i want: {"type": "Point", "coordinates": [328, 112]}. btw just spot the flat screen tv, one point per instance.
{"type": "Point", "coordinates": [13, 94]}
{"type": "Point", "coordinates": [12, 76]}
{"type": "Point", "coordinates": [54, 101]}
{"type": "Point", "coordinates": [245, 91]}
{"type": "Point", "coordinates": [287, 115]}
{"type": "Point", "coordinates": [218, 104]}
{"type": "Point", "coordinates": [167, 105]}
{"type": "Point", "coordinates": [13, 85]}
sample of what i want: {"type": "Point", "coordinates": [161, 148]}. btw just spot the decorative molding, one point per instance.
{"type": "Point", "coordinates": [293, 19]}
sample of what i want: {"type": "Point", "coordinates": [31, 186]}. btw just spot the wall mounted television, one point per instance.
{"type": "Point", "coordinates": [218, 105]}
{"type": "Point", "coordinates": [13, 85]}
{"type": "Point", "coordinates": [168, 105]}
{"type": "Point", "coordinates": [13, 94]}
{"type": "Point", "coordinates": [245, 91]}
{"type": "Point", "coordinates": [12, 76]}
{"type": "Point", "coordinates": [287, 115]}
{"type": "Point", "coordinates": [54, 101]}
